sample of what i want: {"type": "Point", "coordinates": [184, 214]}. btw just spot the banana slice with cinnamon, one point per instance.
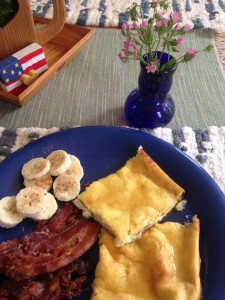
{"type": "Point", "coordinates": [45, 182]}
{"type": "Point", "coordinates": [66, 187]}
{"type": "Point", "coordinates": [35, 168]}
{"type": "Point", "coordinates": [49, 209]}
{"type": "Point", "coordinates": [59, 162]}
{"type": "Point", "coordinates": [30, 201]}
{"type": "Point", "coordinates": [75, 168]}
{"type": "Point", "coordinates": [9, 217]}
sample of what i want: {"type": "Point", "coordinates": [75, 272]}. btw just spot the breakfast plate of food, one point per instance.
{"type": "Point", "coordinates": [101, 212]}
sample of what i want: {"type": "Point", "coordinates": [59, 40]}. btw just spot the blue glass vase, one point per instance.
{"type": "Point", "coordinates": [150, 105]}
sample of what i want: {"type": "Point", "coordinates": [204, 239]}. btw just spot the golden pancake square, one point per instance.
{"type": "Point", "coordinates": [131, 200]}
{"type": "Point", "coordinates": [163, 264]}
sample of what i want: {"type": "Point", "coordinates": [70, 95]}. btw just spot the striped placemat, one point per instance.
{"type": "Point", "coordinates": [205, 145]}
{"type": "Point", "coordinates": [113, 13]}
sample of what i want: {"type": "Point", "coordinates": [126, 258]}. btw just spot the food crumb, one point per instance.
{"type": "Point", "coordinates": [188, 216]}
{"type": "Point", "coordinates": [181, 205]}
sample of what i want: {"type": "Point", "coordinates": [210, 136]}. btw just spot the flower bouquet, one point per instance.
{"type": "Point", "coordinates": [156, 42]}
{"type": "Point", "coordinates": [147, 40]}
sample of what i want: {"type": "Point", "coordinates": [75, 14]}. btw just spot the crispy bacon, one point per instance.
{"type": "Point", "coordinates": [53, 245]}
{"type": "Point", "coordinates": [57, 285]}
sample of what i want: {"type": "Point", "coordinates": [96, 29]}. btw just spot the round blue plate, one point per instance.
{"type": "Point", "coordinates": [103, 150]}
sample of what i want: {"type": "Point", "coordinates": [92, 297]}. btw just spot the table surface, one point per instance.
{"type": "Point", "coordinates": [92, 89]}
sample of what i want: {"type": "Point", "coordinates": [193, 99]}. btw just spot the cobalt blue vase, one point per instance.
{"type": "Point", "coordinates": [150, 105]}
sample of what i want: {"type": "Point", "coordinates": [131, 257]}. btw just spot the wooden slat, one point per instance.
{"type": "Point", "coordinates": [44, 34]}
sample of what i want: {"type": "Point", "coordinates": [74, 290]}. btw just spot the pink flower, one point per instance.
{"type": "Point", "coordinates": [122, 54]}
{"type": "Point", "coordinates": [162, 23]}
{"type": "Point", "coordinates": [150, 67]}
{"type": "Point", "coordinates": [134, 25]}
{"type": "Point", "coordinates": [175, 16]}
{"type": "Point", "coordinates": [134, 52]}
{"type": "Point", "coordinates": [191, 51]}
{"type": "Point", "coordinates": [158, 24]}
{"type": "Point", "coordinates": [186, 28]}
{"type": "Point", "coordinates": [127, 44]}
{"type": "Point", "coordinates": [125, 26]}
{"type": "Point", "coordinates": [180, 41]}
{"type": "Point", "coordinates": [190, 54]}
{"type": "Point", "coordinates": [161, 13]}
{"type": "Point", "coordinates": [144, 24]}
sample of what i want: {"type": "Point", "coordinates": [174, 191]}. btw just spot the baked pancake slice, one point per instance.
{"type": "Point", "coordinates": [163, 264]}
{"type": "Point", "coordinates": [131, 200]}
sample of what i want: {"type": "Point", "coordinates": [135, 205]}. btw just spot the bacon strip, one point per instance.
{"type": "Point", "coordinates": [53, 245]}
{"type": "Point", "coordinates": [57, 285]}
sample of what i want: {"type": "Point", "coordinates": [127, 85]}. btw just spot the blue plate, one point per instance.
{"type": "Point", "coordinates": [103, 150]}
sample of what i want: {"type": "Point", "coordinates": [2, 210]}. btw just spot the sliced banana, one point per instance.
{"type": "Point", "coordinates": [9, 217]}
{"type": "Point", "coordinates": [66, 187]}
{"type": "Point", "coordinates": [35, 168]}
{"type": "Point", "coordinates": [30, 201]}
{"type": "Point", "coordinates": [59, 161]}
{"type": "Point", "coordinates": [45, 182]}
{"type": "Point", "coordinates": [48, 210]}
{"type": "Point", "coordinates": [75, 168]}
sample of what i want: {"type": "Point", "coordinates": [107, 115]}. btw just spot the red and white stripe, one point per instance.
{"type": "Point", "coordinates": [32, 57]}
{"type": "Point", "coordinates": [15, 87]}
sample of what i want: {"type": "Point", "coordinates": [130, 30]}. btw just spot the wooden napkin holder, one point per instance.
{"type": "Point", "coordinates": [60, 42]}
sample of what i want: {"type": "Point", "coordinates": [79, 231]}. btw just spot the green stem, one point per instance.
{"type": "Point", "coordinates": [168, 38]}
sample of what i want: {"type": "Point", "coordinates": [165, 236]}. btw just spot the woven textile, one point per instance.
{"type": "Point", "coordinates": [111, 13]}
{"type": "Point", "coordinates": [205, 145]}
{"type": "Point", "coordinates": [92, 88]}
